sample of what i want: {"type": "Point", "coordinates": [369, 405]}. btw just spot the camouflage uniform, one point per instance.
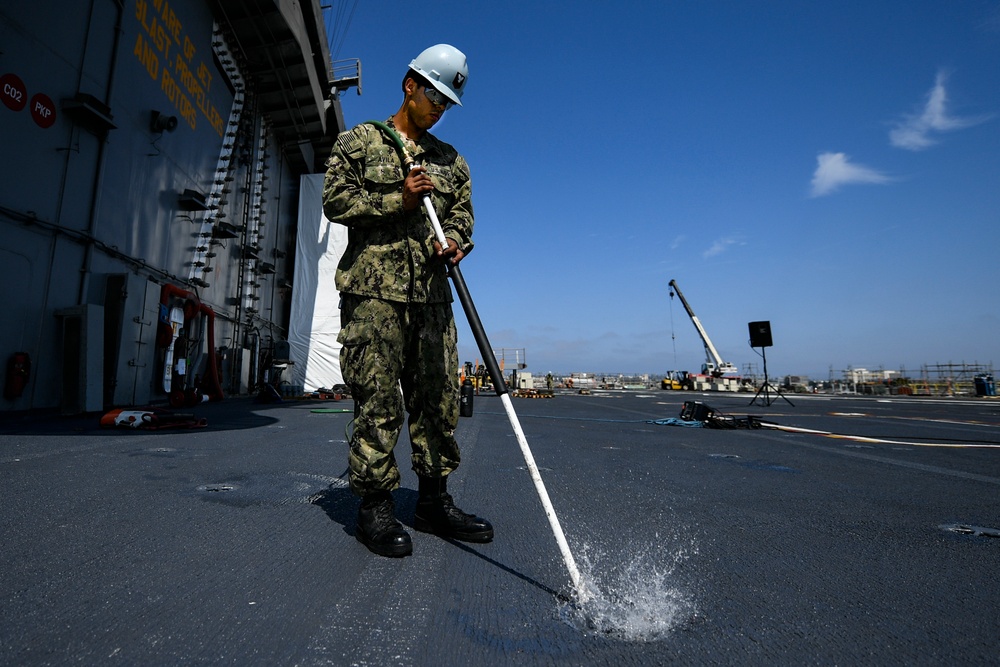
{"type": "Point", "coordinates": [398, 330]}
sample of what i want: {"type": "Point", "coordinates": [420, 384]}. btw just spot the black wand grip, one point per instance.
{"type": "Point", "coordinates": [478, 332]}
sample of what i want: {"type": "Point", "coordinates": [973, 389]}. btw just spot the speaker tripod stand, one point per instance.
{"type": "Point", "coordinates": [764, 393]}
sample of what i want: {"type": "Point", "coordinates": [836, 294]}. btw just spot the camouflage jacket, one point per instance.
{"type": "Point", "coordinates": [390, 252]}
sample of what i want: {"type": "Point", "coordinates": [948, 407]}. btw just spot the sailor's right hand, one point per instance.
{"type": "Point", "coordinates": [416, 184]}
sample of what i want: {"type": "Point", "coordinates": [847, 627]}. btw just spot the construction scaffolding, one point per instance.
{"type": "Point", "coordinates": [949, 379]}
{"type": "Point", "coordinates": [942, 379]}
{"type": "Point", "coordinates": [514, 357]}
{"type": "Point", "coordinates": [751, 373]}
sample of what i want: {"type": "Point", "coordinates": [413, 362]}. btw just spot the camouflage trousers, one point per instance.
{"type": "Point", "coordinates": [396, 356]}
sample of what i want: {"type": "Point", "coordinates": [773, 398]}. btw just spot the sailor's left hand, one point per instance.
{"type": "Point", "coordinates": [452, 254]}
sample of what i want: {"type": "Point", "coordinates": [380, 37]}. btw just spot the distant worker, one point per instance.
{"type": "Point", "coordinates": [549, 381]}
{"type": "Point", "coordinates": [400, 351]}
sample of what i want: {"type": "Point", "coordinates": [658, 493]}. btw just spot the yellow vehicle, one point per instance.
{"type": "Point", "coordinates": [677, 380]}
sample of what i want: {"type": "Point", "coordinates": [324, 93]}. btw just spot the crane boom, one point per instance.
{"type": "Point", "coordinates": [718, 366]}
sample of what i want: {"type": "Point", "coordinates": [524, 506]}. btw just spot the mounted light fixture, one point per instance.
{"type": "Point", "coordinates": [161, 123]}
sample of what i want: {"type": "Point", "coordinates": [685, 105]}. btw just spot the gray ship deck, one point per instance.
{"type": "Point", "coordinates": [233, 544]}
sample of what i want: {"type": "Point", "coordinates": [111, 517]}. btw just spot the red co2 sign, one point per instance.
{"type": "Point", "coordinates": [13, 92]}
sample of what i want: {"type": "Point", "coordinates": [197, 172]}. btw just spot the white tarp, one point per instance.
{"type": "Point", "coordinates": [315, 312]}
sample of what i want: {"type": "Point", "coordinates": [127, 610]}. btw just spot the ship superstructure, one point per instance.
{"type": "Point", "coordinates": [153, 152]}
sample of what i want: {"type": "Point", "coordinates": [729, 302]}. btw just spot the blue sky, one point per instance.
{"type": "Point", "coordinates": [833, 168]}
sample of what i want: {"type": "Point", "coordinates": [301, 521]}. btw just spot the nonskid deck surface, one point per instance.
{"type": "Point", "coordinates": [863, 531]}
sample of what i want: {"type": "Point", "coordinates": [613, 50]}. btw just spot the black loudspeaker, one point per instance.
{"type": "Point", "coordinates": [760, 334]}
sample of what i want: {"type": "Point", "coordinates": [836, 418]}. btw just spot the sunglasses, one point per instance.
{"type": "Point", "coordinates": [437, 98]}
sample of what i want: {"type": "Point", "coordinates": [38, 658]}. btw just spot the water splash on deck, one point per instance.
{"type": "Point", "coordinates": [638, 595]}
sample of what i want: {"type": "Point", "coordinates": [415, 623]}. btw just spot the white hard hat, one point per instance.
{"type": "Point", "coordinates": [445, 67]}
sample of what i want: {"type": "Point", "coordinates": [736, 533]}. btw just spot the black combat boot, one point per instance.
{"type": "Point", "coordinates": [436, 513]}
{"type": "Point", "coordinates": [378, 529]}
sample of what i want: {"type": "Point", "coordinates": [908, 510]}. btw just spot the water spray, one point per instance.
{"type": "Point", "coordinates": [499, 385]}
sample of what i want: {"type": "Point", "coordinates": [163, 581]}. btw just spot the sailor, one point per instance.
{"type": "Point", "coordinates": [400, 353]}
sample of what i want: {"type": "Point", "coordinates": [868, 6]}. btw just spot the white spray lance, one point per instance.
{"type": "Point", "coordinates": [499, 385]}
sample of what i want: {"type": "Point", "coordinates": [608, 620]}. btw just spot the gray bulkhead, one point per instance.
{"type": "Point", "coordinates": [151, 143]}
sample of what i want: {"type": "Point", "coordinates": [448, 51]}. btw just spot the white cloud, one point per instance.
{"type": "Point", "coordinates": [913, 132]}
{"type": "Point", "coordinates": [834, 170]}
{"type": "Point", "coordinates": [720, 246]}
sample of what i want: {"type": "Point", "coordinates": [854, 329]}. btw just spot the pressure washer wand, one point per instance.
{"type": "Point", "coordinates": [499, 385]}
